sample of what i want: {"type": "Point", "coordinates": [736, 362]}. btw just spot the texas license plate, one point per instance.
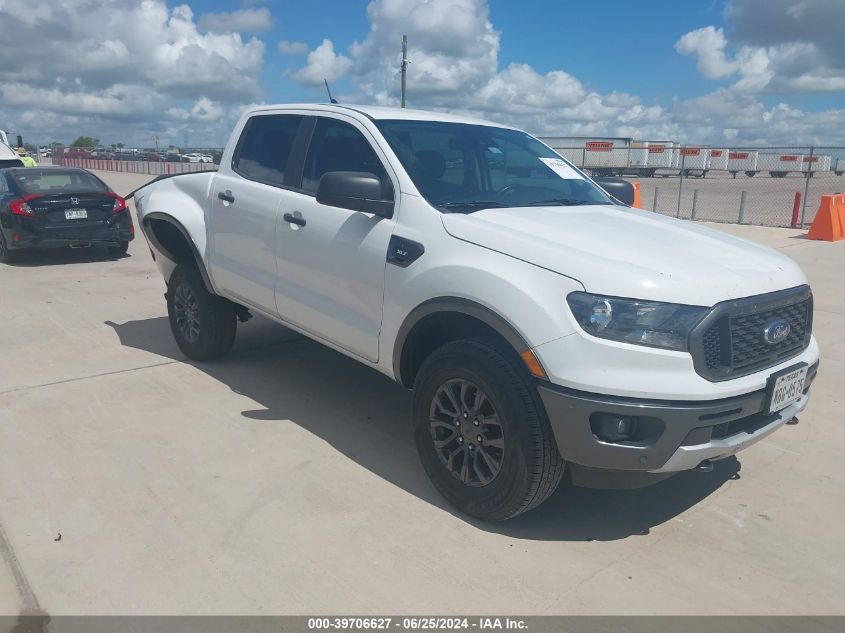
{"type": "Point", "coordinates": [76, 214]}
{"type": "Point", "coordinates": [786, 387]}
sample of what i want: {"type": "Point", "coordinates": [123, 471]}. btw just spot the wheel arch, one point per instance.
{"type": "Point", "coordinates": [170, 238]}
{"type": "Point", "coordinates": [441, 320]}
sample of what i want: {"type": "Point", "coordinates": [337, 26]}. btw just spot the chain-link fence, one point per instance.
{"type": "Point", "coordinates": [770, 186]}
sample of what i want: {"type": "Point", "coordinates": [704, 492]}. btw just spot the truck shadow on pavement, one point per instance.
{"type": "Point", "coordinates": [366, 417]}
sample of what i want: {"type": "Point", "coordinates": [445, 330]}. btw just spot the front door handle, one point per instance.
{"type": "Point", "coordinates": [294, 219]}
{"type": "Point", "coordinates": [226, 196]}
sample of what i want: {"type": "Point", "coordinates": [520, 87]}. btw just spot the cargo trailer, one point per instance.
{"type": "Point", "coordinates": [601, 156]}
{"type": "Point", "coordinates": [719, 159]}
{"type": "Point", "coordinates": [817, 163]}
{"type": "Point", "coordinates": [742, 160]}
{"type": "Point", "coordinates": [694, 161]}
{"type": "Point", "coordinates": [779, 165]}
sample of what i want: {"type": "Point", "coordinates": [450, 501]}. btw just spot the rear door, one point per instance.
{"type": "Point", "coordinates": [246, 195]}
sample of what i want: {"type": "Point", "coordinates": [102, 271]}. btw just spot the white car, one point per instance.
{"type": "Point", "coordinates": [196, 158]}
{"type": "Point", "coordinates": [541, 323]}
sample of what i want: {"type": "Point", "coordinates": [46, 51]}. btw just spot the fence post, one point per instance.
{"type": "Point", "coordinates": [681, 183]}
{"type": "Point", "coordinates": [583, 157]}
{"type": "Point", "coordinates": [694, 203]}
{"type": "Point", "coordinates": [654, 205]}
{"type": "Point", "coordinates": [796, 206]}
{"type": "Point", "coordinates": [807, 186]}
{"type": "Point", "coordinates": [742, 207]}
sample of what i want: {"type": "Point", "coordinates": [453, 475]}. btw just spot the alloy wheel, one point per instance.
{"type": "Point", "coordinates": [467, 434]}
{"type": "Point", "coordinates": [186, 307]}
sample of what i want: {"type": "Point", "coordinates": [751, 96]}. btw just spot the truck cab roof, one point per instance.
{"type": "Point", "coordinates": [378, 113]}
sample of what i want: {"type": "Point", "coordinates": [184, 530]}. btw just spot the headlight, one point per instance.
{"type": "Point", "coordinates": [651, 323]}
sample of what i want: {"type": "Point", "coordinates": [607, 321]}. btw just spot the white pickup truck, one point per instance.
{"type": "Point", "coordinates": [8, 156]}
{"type": "Point", "coordinates": [541, 323]}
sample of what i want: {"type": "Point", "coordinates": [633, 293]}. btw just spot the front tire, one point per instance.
{"type": "Point", "coordinates": [481, 432]}
{"type": "Point", "coordinates": [203, 324]}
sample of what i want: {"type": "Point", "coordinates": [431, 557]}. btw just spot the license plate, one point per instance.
{"type": "Point", "coordinates": [76, 214]}
{"type": "Point", "coordinates": [786, 387]}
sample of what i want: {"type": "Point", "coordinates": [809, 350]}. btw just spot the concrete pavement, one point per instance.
{"type": "Point", "coordinates": [283, 479]}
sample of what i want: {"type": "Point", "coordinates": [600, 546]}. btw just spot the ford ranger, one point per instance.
{"type": "Point", "coordinates": [541, 323]}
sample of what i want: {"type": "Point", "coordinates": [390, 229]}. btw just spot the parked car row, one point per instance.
{"type": "Point", "coordinates": [149, 156]}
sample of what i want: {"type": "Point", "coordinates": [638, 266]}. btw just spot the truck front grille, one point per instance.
{"type": "Point", "coordinates": [730, 341]}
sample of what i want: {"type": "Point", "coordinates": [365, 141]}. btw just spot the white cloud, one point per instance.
{"type": "Point", "coordinates": [287, 47]}
{"type": "Point", "coordinates": [154, 60]}
{"type": "Point", "coordinates": [708, 44]}
{"type": "Point", "coordinates": [160, 71]}
{"type": "Point", "coordinates": [776, 47]}
{"type": "Point", "coordinates": [322, 63]}
{"type": "Point", "coordinates": [454, 53]}
{"type": "Point", "coordinates": [243, 21]}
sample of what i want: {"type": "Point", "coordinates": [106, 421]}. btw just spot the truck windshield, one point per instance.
{"type": "Point", "coordinates": [461, 168]}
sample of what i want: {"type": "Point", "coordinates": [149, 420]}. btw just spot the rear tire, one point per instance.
{"type": "Point", "coordinates": [7, 256]}
{"type": "Point", "coordinates": [203, 324]}
{"type": "Point", "coordinates": [516, 464]}
{"type": "Point", "coordinates": [119, 249]}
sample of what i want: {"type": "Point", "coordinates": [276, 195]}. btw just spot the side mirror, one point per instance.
{"type": "Point", "coordinates": [354, 190]}
{"type": "Point", "coordinates": [619, 188]}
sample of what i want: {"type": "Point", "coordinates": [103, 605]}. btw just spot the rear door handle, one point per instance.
{"type": "Point", "coordinates": [226, 196]}
{"type": "Point", "coordinates": [294, 219]}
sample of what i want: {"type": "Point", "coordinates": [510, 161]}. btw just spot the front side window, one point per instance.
{"type": "Point", "coordinates": [338, 146]}
{"type": "Point", "coordinates": [265, 146]}
{"type": "Point", "coordinates": [462, 168]}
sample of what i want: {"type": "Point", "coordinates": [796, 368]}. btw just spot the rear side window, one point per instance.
{"type": "Point", "coordinates": [338, 146]}
{"type": "Point", "coordinates": [265, 146]}
{"type": "Point", "coordinates": [52, 181]}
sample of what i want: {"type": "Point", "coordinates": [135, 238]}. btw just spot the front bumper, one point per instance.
{"type": "Point", "coordinates": [680, 435]}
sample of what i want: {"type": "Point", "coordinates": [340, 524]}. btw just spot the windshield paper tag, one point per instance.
{"type": "Point", "coordinates": [562, 168]}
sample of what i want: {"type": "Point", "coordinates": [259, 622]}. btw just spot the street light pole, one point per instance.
{"type": "Point", "coordinates": [404, 65]}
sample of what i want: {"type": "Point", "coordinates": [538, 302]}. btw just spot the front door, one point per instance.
{"type": "Point", "coordinates": [330, 260]}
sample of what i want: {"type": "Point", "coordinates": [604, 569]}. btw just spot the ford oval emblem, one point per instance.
{"type": "Point", "coordinates": [776, 332]}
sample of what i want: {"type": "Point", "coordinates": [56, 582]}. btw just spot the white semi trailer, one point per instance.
{"type": "Point", "coordinates": [621, 156]}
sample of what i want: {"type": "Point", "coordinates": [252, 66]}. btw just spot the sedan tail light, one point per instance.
{"type": "Point", "coordinates": [119, 203]}
{"type": "Point", "coordinates": [20, 206]}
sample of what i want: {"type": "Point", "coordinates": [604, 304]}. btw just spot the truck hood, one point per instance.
{"type": "Point", "coordinates": [625, 252]}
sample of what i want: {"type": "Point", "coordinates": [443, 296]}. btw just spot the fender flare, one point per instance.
{"type": "Point", "coordinates": [462, 306]}
{"type": "Point", "coordinates": [151, 236]}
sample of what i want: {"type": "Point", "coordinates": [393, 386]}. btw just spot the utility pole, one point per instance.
{"type": "Point", "coordinates": [404, 65]}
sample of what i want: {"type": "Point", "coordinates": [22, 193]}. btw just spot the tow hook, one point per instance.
{"type": "Point", "coordinates": [704, 467]}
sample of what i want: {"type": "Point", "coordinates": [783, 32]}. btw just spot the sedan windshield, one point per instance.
{"type": "Point", "coordinates": [461, 168]}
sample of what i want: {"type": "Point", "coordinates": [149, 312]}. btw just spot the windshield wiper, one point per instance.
{"type": "Point", "coordinates": [564, 202]}
{"type": "Point", "coordinates": [471, 204]}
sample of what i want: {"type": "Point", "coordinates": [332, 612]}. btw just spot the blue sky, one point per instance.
{"type": "Point", "coordinates": [616, 46]}
{"type": "Point", "coordinates": [710, 71]}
